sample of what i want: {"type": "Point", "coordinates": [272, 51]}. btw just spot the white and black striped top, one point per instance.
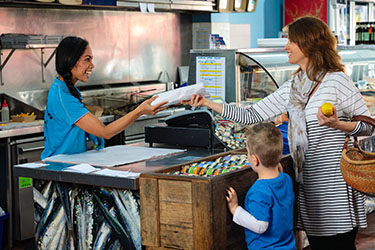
{"type": "Point", "coordinates": [326, 204]}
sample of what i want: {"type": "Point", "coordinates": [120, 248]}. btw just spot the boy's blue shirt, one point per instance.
{"type": "Point", "coordinates": [272, 200]}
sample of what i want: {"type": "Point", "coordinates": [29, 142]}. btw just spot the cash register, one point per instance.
{"type": "Point", "coordinates": [195, 128]}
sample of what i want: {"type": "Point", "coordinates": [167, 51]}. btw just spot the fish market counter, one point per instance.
{"type": "Point", "coordinates": [56, 171]}
{"type": "Point", "coordinates": [78, 210]}
{"type": "Point", "coordinates": [174, 201]}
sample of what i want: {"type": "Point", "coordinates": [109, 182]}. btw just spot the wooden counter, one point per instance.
{"type": "Point", "coordinates": [190, 212]}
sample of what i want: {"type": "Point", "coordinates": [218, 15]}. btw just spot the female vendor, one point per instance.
{"type": "Point", "coordinates": [67, 123]}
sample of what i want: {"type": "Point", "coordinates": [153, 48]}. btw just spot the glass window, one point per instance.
{"type": "Point", "coordinates": [361, 12]}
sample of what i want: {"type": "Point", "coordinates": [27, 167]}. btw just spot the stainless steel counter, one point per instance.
{"type": "Point", "coordinates": [11, 129]}
{"type": "Point", "coordinates": [21, 131]}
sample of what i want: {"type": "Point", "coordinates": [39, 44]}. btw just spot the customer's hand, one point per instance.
{"type": "Point", "coordinates": [232, 199]}
{"type": "Point", "coordinates": [195, 101]}
{"type": "Point", "coordinates": [329, 121]}
{"type": "Point", "coordinates": [147, 109]}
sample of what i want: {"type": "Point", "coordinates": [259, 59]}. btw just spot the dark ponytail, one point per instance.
{"type": "Point", "coordinates": [68, 53]}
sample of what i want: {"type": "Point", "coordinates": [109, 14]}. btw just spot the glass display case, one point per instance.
{"type": "Point", "coordinates": [231, 75]}
{"type": "Point", "coordinates": [247, 75]}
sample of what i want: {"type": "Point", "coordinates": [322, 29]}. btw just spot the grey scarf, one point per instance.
{"type": "Point", "coordinates": [301, 88]}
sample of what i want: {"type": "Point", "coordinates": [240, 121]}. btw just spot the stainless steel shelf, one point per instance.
{"type": "Point", "coordinates": [28, 46]}
{"type": "Point", "coordinates": [123, 5]}
{"type": "Point", "coordinates": [171, 5]}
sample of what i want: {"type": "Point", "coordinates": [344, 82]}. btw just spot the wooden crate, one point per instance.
{"type": "Point", "coordinates": [190, 212]}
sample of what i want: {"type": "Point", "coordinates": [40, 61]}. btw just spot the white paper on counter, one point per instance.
{"type": "Point", "coordinates": [117, 173]}
{"type": "Point", "coordinates": [184, 93]}
{"type": "Point", "coordinates": [114, 156]}
{"type": "Point", "coordinates": [81, 168]}
{"type": "Point", "coordinates": [32, 165]}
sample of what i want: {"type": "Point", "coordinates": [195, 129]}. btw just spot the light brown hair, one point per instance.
{"type": "Point", "coordinates": [318, 44]}
{"type": "Point", "coordinates": [266, 141]}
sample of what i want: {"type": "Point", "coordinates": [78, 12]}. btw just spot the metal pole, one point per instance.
{"type": "Point", "coordinates": [371, 12]}
{"type": "Point", "coordinates": [42, 63]}
{"type": "Point", "coordinates": [9, 177]}
{"type": "Point", "coordinates": [352, 22]}
{"type": "Point", "coordinates": [1, 70]}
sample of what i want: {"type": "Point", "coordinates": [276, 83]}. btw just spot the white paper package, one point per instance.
{"type": "Point", "coordinates": [174, 96]}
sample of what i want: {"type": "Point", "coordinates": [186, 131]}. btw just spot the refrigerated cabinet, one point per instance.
{"type": "Point", "coordinates": [247, 75]}
{"type": "Point", "coordinates": [230, 75]}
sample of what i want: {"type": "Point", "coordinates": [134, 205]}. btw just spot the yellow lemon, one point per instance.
{"type": "Point", "coordinates": [327, 109]}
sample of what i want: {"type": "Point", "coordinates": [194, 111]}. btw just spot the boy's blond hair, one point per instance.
{"type": "Point", "coordinates": [266, 141]}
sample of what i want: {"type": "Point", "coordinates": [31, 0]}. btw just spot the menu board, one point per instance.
{"type": "Point", "coordinates": [210, 71]}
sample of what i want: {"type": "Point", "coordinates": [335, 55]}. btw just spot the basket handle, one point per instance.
{"type": "Point", "coordinates": [364, 118]}
{"type": "Point", "coordinates": [361, 118]}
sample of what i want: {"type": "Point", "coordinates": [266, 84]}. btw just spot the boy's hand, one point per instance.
{"type": "Point", "coordinates": [232, 199]}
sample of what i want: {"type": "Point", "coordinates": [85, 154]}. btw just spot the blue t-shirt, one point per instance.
{"type": "Point", "coordinates": [272, 200]}
{"type": "Point", "coordinates": [61, 135]}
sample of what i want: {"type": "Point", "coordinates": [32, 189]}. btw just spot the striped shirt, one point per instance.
{"type": "Point", "coordinates": [326, 204]}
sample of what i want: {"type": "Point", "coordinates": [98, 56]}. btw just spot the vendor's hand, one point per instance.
{"type": "Point", "coordinates": [98, 141]}
{"type": "Point", "coordinates": [195, 101]}
{"type": "Point", "coordinates": [232, 199]}
{"type": "Point", "coordinates": [147, 109]}
{"type": "Point", "coordinates": [329, 121]}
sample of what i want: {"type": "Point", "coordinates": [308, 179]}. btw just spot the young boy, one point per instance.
{"type": "Point", "coordinates": [268, 213]}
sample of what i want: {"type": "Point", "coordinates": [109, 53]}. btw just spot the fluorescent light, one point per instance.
{"type": "Point", "coordinates": [269, 55]}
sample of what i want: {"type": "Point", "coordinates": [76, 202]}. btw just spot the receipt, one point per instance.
{"type": "Point", "coordinates": [117, 173]}
{"type": "Point", "coordinates": [81, 168]}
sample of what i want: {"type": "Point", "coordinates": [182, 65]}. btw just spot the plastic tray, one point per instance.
{"type": "Point", "coordinates": [23, 118]}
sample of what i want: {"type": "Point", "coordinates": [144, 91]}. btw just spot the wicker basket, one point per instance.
{"type": "Point", "coordinates": [358, 166]}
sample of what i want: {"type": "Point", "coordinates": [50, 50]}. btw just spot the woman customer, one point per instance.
{"type": "Point", "coordinates": [329, 210]}
{"type": "Point", "coordinates": [67, 123]}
